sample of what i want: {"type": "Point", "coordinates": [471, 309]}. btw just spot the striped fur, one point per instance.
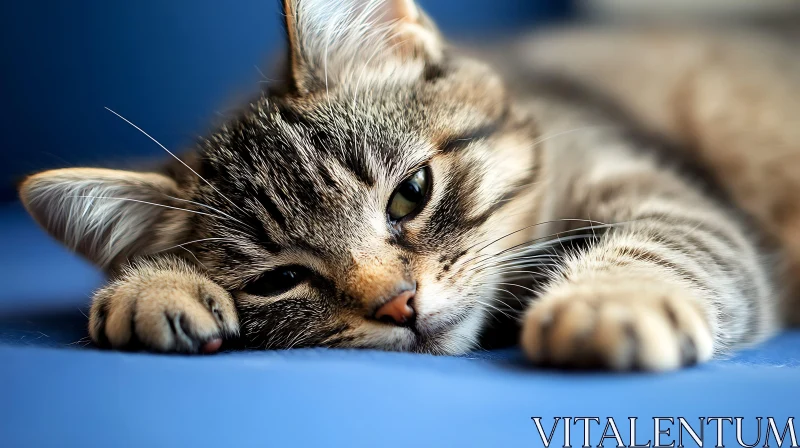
{"type": "Point", "coordinates": [553, 214]}
{"type": "Point", "coordinates": [678, 279]}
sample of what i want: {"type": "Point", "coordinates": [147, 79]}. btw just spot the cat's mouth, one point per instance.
{"type": "Point", "coordinates": [436, 332]}
{"type": "Point", "coordinates": [437, 323]}
{"type": "Point", "coordinates": [449, 331]}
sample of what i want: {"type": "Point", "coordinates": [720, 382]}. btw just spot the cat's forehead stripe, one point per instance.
{"type": "Point", "coordinates": [456, 142]}
{"type": "Point", "coordinates": [358, 165]}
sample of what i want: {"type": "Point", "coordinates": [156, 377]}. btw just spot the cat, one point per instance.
{"type": "Point", "coordinates": [616, 199]}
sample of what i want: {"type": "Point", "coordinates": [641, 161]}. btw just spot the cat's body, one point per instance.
{"type": "Point", "coordinates": [395, 195]}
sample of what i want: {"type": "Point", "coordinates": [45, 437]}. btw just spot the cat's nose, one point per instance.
{"type": "Point", "coordinates": [399, 310]}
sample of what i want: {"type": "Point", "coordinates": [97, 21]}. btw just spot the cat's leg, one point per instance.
{"type": "Point", "coordinates": [730, 97]}
{"type": "Point", "coordinates": [676, 282]}
{"type": "Point", "coordinates": [163, 305]}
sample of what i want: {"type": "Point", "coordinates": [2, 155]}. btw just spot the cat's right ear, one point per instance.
{"type": "Point", "coordinates": [329, 40]}
{"type": "Point", "coordinates": [105, 215]}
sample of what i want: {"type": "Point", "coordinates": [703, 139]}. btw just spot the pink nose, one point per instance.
{"type": "Point", "coordinates": [399, 310]}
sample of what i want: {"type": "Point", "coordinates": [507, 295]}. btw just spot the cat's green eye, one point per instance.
{"type": "Point", "coordinates": [409, 196]}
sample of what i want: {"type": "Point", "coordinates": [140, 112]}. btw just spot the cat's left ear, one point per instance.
{"type": "Point", "coordinates": [108, 216]}
{"type": "Point", "coordinates": [331, 39]}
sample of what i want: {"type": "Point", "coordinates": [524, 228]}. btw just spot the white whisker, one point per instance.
{"type": "Point", "coordinates": [193, 256]}
{"type": "Point", "coordinates": [145, 202]}
{"type": "Point", "coordinates": [200, 204]}
{"type": "Point", "coordinates": [173, 155]}
{"type": "Point", "coordinates": [191, 242]}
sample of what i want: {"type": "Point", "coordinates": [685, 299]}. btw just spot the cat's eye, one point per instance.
{"type": "Point", "coordinates": [409, 197]}
{"type": "Point", "coordinates": [277, 281]}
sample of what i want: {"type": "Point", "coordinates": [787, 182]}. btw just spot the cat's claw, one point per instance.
{"type": "Point", "coordinates": [163, 311]}
{"type": "Point", "coordinates": [212, 345]}
{"type": "Point", "coordinates": [617, 326]}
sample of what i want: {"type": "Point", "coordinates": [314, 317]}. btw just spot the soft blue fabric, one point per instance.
{"type": "Point", "coordinates": [57, 392]}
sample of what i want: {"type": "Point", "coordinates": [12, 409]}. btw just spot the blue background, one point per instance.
{"type": "Point", "coordinates": [170, 66]}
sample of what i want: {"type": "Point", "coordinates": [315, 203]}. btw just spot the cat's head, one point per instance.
{"type": "Point", "coordinates": [357, 203]}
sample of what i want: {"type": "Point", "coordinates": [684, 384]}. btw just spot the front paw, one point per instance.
{"type": "Point", "coordinates": [163, 310]}
{"type": "Point", "coordinates": [619, 325]}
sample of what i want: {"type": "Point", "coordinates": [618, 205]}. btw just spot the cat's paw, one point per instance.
{"type": "Point", "coordinates": [165, 311]}
{"type": "Point", "coordinates": [624, 326]}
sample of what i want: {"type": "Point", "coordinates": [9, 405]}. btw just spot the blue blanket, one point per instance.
{"type": "Point", "coordinates": [55, 390]}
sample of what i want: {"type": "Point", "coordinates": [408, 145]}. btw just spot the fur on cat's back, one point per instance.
{"type": "Point", "coordinates": [729, 96]}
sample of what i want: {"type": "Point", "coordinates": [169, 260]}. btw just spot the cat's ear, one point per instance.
{"type": "Point", "coordinates": [330, 39]}
{"type": "Point", "coordinates": [105, 215]}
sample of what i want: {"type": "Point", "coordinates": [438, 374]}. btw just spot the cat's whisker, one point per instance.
{"type": "Point", "coordinates": [517, 286]}
{"type": "Point", "coordinates": [499, 271]}
{"type": "Point", "coordinates": [500, 268]}
{"type": "Point", "coordinates": [192, 242]}
{"type": "Point", "coordinates": [200, 204]}
{"type": "Point", "coordinates": [534, 276]}
{"type": "Point", "coordinates": [80, 341]}
{"type": "Point", "coordinates": [493, 286]}
{"type": "Point", "coordinates": [533, 246]}
{"type": "Point", "coordinates": [488, 307]}
{"type": "Point", "coordinates": [539, 269]}
{"type": "Point", "coordinates": [173, 156]}
{"type": "Point", "coordinates": [521, 255]}
{"type": "Point", "coordinates": [551, 136]}
{"type": "Point", "coordinates": [493, 272]}
{"type": "Point", "coordinates": [264, 78]}
{"type": "Point", "coordinates": [139, 201]}
{"type": "Point", "coordinates": [496, 288]}
{"type": "Point", "coordinates": [533, 144]}
{"type": "Point", "coordinates": [504, 313]}
{"type": "Point", "coordinates": [485, 245]}
{"type": "Point", "coordinates": [517, 261]}
{"type": "Point", "coordinates": [524, 246]}
{"type": "Point", "coordinates": [193, 256]}
{"type": "Point", "coordinates": [528, 276]}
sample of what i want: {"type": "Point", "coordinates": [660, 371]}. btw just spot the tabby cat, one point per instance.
{"type": "Point", "coordinates": [620, 199]}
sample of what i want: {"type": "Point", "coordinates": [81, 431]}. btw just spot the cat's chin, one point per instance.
{"type": "Point", "coordinates": [440, 334]}
{"type": "Point", "coordinates": [455, 334]}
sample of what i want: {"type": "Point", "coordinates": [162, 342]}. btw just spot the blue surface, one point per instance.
{"type": "Point", "coordinates": [343, 398]}
{"type": "Point", "coordinates": [57, 392]}
{"type": "Point", "coordinates": [37, 273]}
